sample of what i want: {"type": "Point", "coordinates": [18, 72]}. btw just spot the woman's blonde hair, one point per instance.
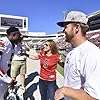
{"type": "Point", "coordinates": [53, 46]}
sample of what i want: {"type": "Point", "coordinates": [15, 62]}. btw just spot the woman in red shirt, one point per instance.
{"type": "Point", "coordinates": [49, 57]}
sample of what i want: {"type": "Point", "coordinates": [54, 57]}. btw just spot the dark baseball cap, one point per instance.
{"type": "Point", "coordinates": [13, 30]}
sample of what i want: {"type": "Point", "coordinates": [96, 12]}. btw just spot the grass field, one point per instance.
{"type": "Point", "coordinates": [59, 68]}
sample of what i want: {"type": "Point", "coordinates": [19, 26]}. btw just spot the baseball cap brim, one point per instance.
{"type": "Point", "coordinates": [62, 24]}
{"type": "Point", "coordinates": [15, 32]}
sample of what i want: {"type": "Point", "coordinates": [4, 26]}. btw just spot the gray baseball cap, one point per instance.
{"type": "Point", "coordinates": [74, 16]}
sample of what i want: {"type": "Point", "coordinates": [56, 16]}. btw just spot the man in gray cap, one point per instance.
{"type": "Point", "coordinates": [82, 65]}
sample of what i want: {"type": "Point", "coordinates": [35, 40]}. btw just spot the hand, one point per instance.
{"type": "Point", "coordinates": [12, 83]}
{"type": "Point", "coordinates": [58, 94]}
{"type": "Point", "coordinates": [60, 58]}
{"type": "Point", "coordinates": [19, 52]}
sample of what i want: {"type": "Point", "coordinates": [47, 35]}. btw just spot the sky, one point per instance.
{"type": "Point", "coordinates": [44, 14]}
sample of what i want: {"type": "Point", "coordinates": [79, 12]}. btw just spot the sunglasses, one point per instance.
{"type": "Point", "coordinates": [46, 44]}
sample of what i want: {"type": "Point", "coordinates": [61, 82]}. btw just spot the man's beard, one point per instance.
{"type": "Point", "coordinates": [15, 41]}
{"type": "Point", "coordinates": [68, 38]}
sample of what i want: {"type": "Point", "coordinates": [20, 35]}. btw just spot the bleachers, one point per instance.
{"type": "Point", "coordinates": [93, 33]}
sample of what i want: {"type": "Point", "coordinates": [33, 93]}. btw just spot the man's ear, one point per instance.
{"type": "Point", "coordinates": [77, 28]}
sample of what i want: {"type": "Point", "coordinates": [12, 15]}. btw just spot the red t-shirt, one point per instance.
{"type": "Point", "coordinates": [48, 66]}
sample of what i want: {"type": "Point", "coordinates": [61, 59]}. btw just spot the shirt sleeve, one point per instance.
{"type": "Point", "coordinates": [2, 48]}
{"type": "Point", "coordinates": [2, 45]}
{"type": "Point", "coordinates": [92, 74]}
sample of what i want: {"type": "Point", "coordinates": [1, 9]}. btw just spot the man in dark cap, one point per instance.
{"type": "Point", "coordinates": [6, 54]}
{"type": "Point", "coordinates": [13, 34]}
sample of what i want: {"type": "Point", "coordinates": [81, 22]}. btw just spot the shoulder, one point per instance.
{"type": "Point", "coordinates": [56, 56]}
{"type": "Point", "coordinates": [2, 43]}
{"type": "Point", "coordinates": [5, 41]}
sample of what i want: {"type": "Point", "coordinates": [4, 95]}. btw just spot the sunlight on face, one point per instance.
{"type": "Point", "coordinates": [46, 46]}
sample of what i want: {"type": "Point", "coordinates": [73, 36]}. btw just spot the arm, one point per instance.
{"type": "Point", "coordinates": [1, 70]}
{"type": "Point", "coordinates": [75, 94]}
{"type": "Point", "coordinates": [33, 57]}
{"type": "Point", "coordinates": [36, 57]}
{"type": "Point", "coordinates": [3, 76]}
